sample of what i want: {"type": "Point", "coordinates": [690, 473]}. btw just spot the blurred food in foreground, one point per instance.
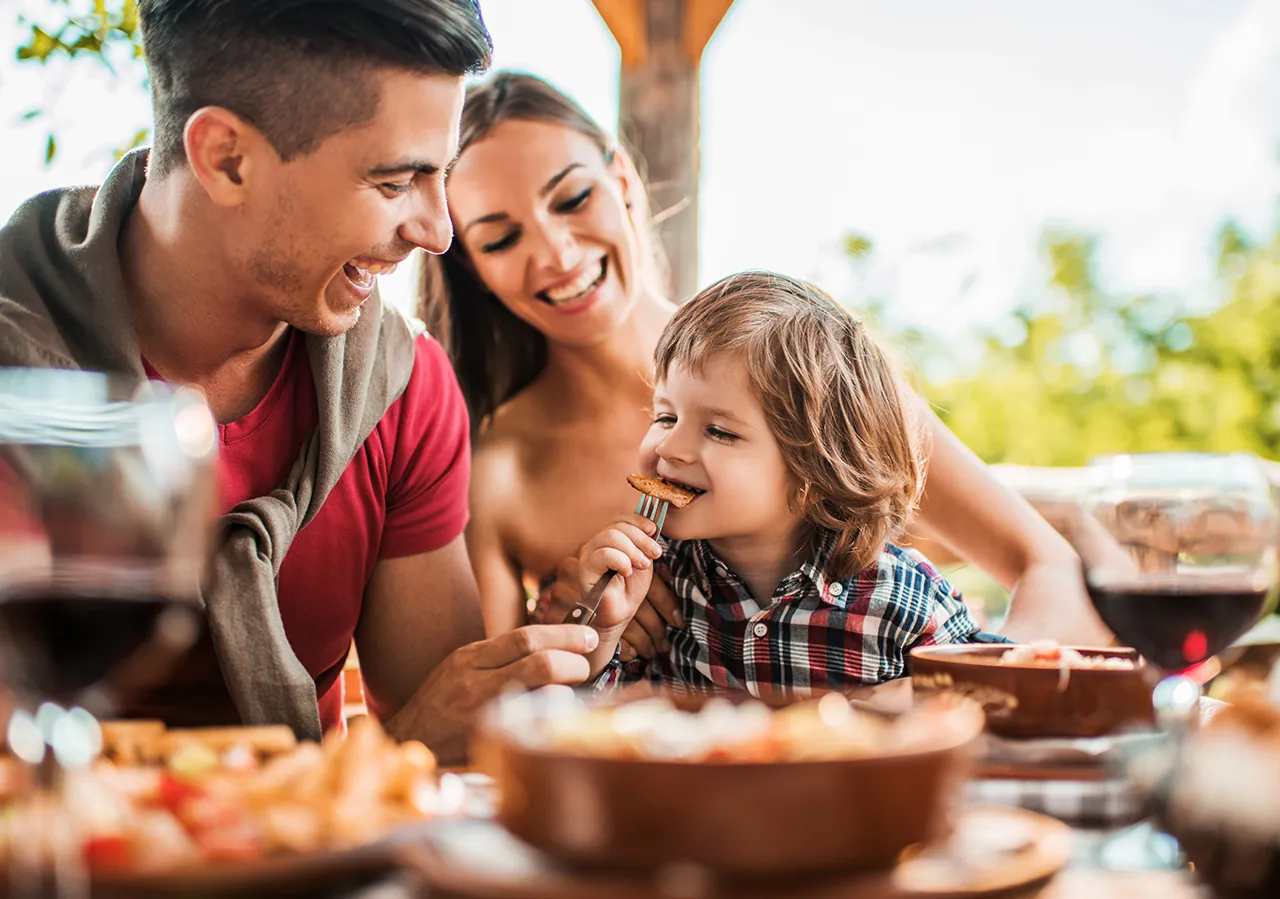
{"type": "Point", "coordinates": [163, 800]}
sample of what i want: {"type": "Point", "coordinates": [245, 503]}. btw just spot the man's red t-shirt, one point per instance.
{"type": "Point", "coordinates": [404, 493]}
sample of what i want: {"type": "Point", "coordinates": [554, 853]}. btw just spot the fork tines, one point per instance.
{"type": "Point", "coordinates": [653, 509]}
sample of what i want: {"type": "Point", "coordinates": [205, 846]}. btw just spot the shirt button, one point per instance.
{"type": "Point", "coordinates": [836, 589]}
{"type": "Point", "coordinates": [761, 629]}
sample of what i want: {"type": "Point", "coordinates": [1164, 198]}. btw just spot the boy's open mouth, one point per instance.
{"type": "Point", "coordinates": [696, 491]}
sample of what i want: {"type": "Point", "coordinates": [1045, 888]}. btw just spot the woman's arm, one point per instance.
{"type": "Point", "coordinates": [502, 594]}
{"type": "Point", "coordinates": [971, 513]}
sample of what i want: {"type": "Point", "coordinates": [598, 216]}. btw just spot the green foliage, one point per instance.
{"type": "Point", "coordinates": [1087, 372]}
{"type": "Point", "coordinates": [97, 32]}
{"type": "Point", "coordinates": [87, 32]}
{"type": "Point", "coordinates": [857, 245]}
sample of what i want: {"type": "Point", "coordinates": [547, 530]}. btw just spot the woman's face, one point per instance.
{"type": "Point", "coordinates": [546, 220]}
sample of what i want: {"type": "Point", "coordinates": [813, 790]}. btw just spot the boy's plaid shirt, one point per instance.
{"type": "Point", "coordinates": [814, 635]}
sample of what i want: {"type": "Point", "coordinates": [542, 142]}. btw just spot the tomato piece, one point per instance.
{"type": "Point", "coordinates": [173, 792]}
{"type": "Point", "coordinates": [107, 852]}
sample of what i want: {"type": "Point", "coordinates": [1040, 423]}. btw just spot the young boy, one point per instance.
{"type": "Point", "coordinates": [777, 408]}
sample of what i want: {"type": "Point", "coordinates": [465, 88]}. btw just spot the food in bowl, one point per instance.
{"type": "Point", "coordinates": [724, 731]}
{"type": "Point", "coordinates": [1047, 654]}
{"type": "Point", "coordinates": [654, 782]}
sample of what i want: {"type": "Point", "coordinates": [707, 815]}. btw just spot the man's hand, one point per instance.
{"type": "Point", "coordinates": [442, 711]}
{"type": "Point", "coordinates": [646, 633]}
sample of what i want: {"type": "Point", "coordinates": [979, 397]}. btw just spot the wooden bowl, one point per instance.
{"type": "Point", "coordinates": [744, 819]}
{"type": "Point", "coordinates": [1026, 701]}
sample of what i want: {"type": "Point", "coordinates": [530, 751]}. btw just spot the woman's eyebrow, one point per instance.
{"type": "Point", "coordinates": [557, 178]}
{"type": "Point", "coordinates": [543, 191]}
{"type": "Point", "coordinates": [486, 219]}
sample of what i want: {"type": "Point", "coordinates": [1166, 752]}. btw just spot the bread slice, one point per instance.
{"type": "Point", "coordinates": [265, 740]}
{"type": "Point", "coordinates": [661, 488]}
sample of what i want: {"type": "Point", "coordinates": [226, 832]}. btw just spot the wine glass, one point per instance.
{"type": "Point", "coordinates": [107, 506]}
{"type": "Point", "coordinates": [1179, 556]}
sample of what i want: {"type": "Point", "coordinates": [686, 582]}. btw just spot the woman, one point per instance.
{"type": "Point", "coordinates": [550, 303]}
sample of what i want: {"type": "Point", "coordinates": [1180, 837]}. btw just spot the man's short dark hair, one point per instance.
{"type": "Point", "coordinates": [297, 70]}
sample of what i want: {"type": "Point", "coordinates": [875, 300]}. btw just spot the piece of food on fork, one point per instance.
{"type": "Point", "coordinates": [658, 494]}
{"type": "Point", "coordinates": [660, 488]}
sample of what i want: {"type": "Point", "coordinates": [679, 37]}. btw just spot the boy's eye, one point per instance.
{"type": "Point", "coordinates": [500, 244]}
{"type": "Point", "coordinates": [575, 202]}
{"type": "Point", "coordinates": [722, 435]}
{"type": "Point", "coordinates": [665, 419]}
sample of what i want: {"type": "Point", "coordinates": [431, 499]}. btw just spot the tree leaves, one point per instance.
{"type": "Point", "coordinates": [1090, 372]}
{"type": "Point", "coordinates": [97, 35]}
{"type": "Point", "coordinates": [136, 141]}
{"type": "Point", "coordinates": [41, 45]}
{"type": "Point", "coordinates": [857, 245]}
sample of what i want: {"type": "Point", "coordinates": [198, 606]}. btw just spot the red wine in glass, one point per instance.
{"type": "Point", "coordinates": [58, 644]}
{"type": "Point", "coordinates": [1177, 625]}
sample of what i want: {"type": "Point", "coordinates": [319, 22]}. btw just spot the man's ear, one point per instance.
{"type": "Point", "coordinates": [225, 153]}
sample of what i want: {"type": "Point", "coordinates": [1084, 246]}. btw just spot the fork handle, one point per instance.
{"type": "Point", "coordinates": [585, 612]}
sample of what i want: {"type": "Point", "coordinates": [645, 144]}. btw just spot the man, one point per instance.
{"type": "Point", "coordinates": [300, 150]}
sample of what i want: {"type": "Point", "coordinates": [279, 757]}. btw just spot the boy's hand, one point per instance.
{"type": "Point", "coordinates": [628, 548]}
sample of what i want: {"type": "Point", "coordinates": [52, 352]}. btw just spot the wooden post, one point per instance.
{"type": "Point", "coordinates": [662, 43]}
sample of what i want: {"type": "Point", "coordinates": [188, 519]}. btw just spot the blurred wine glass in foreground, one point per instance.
{"type": "Point", "coordinates": [107, 502]}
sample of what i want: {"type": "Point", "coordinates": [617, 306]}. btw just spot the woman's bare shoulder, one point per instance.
{"type": "Point", "coordinates": [502, 449]}
{"type": "Point", "coordinates": [524, 424]}
{"type": "Point", "coordinates": [495, 465]}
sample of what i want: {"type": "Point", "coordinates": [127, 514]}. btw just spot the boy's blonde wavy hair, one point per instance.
{"type": "Point", "coordinates": [831, 399]}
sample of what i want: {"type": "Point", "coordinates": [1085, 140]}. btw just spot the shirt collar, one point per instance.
{"type": "Point", "coordinates": [703, 562]}
{"type": "Point", "coordinates": [818, 563]}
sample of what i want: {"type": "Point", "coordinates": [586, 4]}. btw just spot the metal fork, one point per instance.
{"type": "Point", "coordinates": [584, 612]}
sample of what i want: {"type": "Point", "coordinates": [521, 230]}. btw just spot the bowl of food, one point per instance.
{"type": "Point", "coordinates": [1041, 689]}
{"type": "Point", "coordinates": [735, 786]}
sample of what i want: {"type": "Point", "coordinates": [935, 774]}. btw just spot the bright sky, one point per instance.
{"type": "Point", "coordinates": [950, 133]}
